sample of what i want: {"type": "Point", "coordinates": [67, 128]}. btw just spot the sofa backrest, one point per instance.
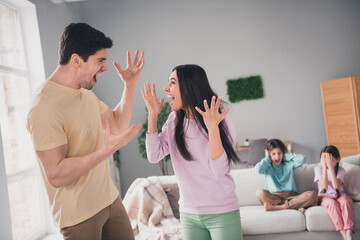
{"type": "Point", "coordinates": [351, 164]}
{"type": "Point", "coordinates": [247, 181]}
{"type": "Point", "coordinates": [304, 178]}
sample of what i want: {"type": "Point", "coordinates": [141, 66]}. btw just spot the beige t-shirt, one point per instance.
{"type": "Point", "coordinates": [61, 115]}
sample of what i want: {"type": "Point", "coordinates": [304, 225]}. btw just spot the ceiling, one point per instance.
{"type": "Point", "coordinates": [66, 1]}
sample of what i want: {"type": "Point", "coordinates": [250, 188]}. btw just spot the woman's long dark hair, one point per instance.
{"type": "Point", "coordinates": [335, 153]}
{"type": "Point", "coordinates": [194, 89]}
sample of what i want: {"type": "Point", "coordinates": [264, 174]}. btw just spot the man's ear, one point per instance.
{"type": "Point", "coordinates": [75, 60]}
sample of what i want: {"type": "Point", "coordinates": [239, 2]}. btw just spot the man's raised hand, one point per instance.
{"type": "Point", "coordinates": [115, 142]}
{"type": "Point", "coordinates": [130, 75]}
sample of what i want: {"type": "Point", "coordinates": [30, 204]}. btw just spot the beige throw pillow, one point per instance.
{"type": "Point", "coordinates": [354, 159]}
{"type": "Point", "coordinates": [352, 180]}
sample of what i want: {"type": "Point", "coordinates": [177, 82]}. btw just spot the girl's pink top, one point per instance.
{"type": "Point", "coordinates": [330, 191]}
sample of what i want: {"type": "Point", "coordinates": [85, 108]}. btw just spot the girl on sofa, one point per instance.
{"type": "Point", "coordinates": [200, 140]}
{"type": "Point", "coordinates": [278, 168]}
{"type": "Point", "coordinates": [330, 178]}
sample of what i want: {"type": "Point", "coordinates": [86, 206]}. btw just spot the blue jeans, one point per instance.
{"type": "Point", "coordinates": [223, 226]}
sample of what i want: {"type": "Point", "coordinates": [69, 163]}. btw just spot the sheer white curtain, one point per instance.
{"type": "Point", "coordinates": [21, 70]}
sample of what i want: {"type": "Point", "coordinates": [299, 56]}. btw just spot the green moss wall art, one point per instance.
{"type": "Point", "coordinates": [248, 88]}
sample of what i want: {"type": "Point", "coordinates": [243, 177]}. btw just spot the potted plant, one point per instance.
{"type": "Point", "coordinates": [163, 116]}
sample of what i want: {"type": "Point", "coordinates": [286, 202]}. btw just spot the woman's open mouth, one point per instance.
{"type": "Point", "coordinates": [172, 99]}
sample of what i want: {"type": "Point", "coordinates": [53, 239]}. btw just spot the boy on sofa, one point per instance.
{"type": "Point", "coordinates": [278, 168]}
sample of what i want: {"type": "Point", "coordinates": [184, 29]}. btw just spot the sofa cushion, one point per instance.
{"type": "Point", "coordinates": [317, 218]}
{"type": "Point", "coordinates": [352, 180]}
{"type": "Point", "coordinates": [304, 178]}
{"type": "Point", "coordinates": [247, 181]}
{"type": "Point", "coordinates": [254, 221]}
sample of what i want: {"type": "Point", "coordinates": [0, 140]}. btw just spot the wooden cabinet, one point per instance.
{"type": "Point", "coordinates": [340, 98]}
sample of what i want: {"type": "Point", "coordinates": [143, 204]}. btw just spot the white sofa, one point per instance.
{"type": "Point", "coordinates": [285, 224]}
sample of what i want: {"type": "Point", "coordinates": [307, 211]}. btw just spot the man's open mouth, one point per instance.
{"type": "Point", "coordinates": [94, 79]}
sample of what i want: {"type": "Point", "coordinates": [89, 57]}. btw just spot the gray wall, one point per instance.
{"type": "Point", "coordinates": [293, 45]}
{"type": "Point", "coordinates": [52, 19]}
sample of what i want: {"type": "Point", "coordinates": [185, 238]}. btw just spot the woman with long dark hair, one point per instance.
{"type": "Point", "coordinates": [200, 140]}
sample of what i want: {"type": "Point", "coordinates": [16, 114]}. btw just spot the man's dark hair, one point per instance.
{"type": "Point", "coordinates": [82, 39]}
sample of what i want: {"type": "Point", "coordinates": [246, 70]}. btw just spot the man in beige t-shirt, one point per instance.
{"type": "Point", "coordinates": [67, 122]}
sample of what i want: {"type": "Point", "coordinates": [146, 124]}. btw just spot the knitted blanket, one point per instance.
{"type": "Point", "coordinates": [149, 211]}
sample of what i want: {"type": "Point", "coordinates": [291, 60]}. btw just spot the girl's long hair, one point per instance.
{"type": "Point", "coordinates": [335, 153]}
{"type": "Point", "coordinates": [194, 89]}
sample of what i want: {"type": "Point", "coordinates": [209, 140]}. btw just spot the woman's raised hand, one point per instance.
{"type": "Point", "coordinates": [153, 105]}
{"type": "Point", "coordinates": [211, 116]}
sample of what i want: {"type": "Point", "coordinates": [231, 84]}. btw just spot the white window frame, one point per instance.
{"type": "Point", "coordinates": [31, 45]}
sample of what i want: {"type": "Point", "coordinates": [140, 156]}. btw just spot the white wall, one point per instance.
{"type": "Point", "coordinates": [293, 45]}
{"type": "Point", "coordinates": [5, 224]}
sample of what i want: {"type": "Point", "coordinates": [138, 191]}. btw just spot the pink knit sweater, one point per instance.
{"type": "Point", "coordinates": [206, 186]}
